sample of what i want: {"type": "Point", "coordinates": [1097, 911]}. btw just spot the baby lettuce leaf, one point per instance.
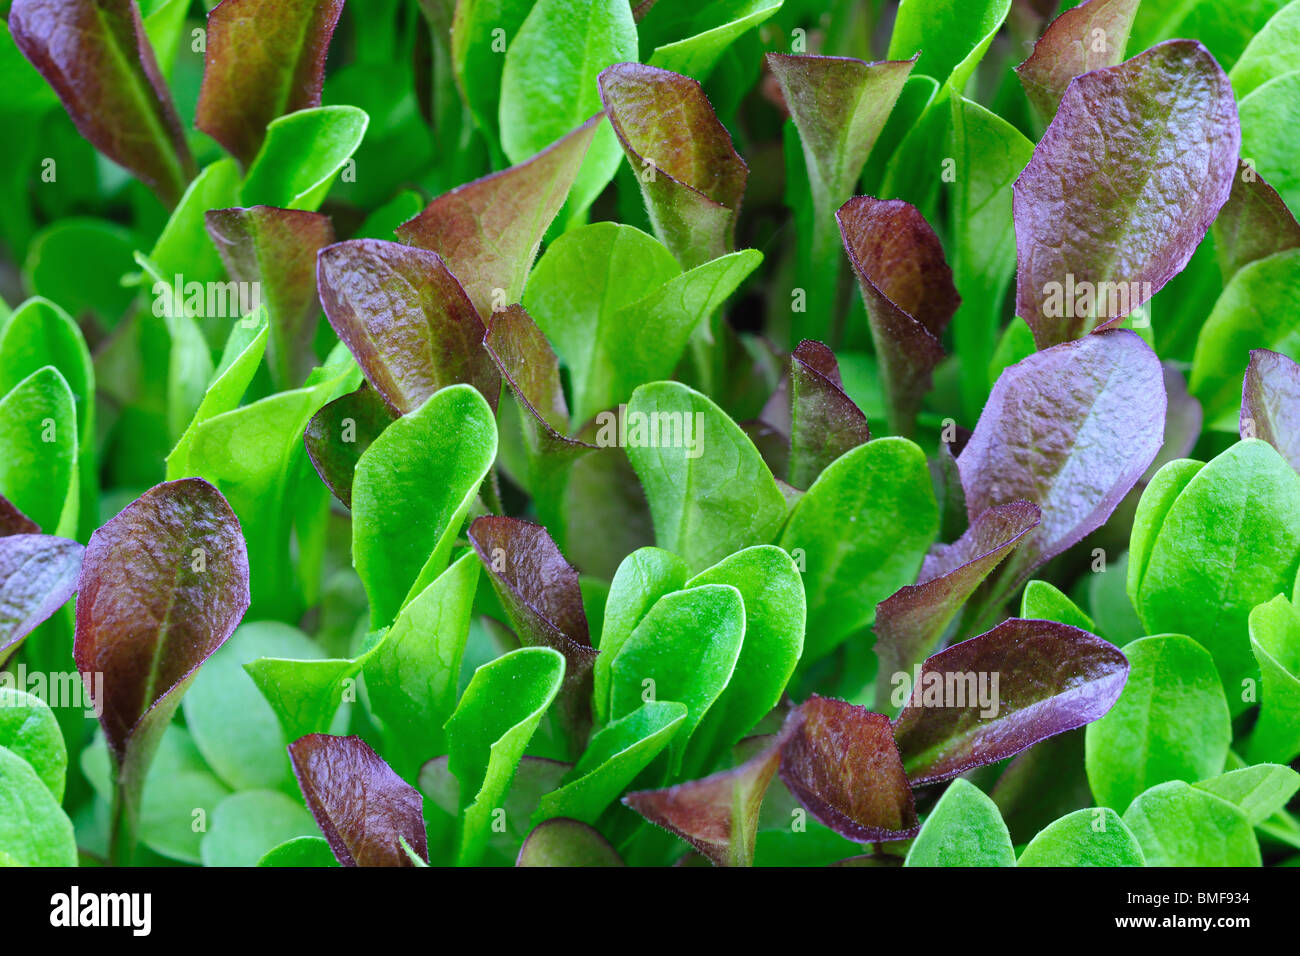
{"type": "Point", "coordinates": [1045, 601]}
{"type": "Point", "coordinates": [950, 38]}
{"type": "Point", "coordinates": [860, 533]}
{"type": "Point", "coordinates": [488, 231]}
{"type": "Point", "coordinates": [1275, 639]}
{"type": "Point", "coordinates": [276, 249]}
{"type": "Point", "coordinates": [563, 842]}
{"type": "Point", "coordinates": [38, 436]}
{"type": "Point", "coordinates": [305, 694]}
{"type": "Point", "coordinates": [710, 493]}
{"type": "Point", "coordinates": [824, 422]}
{"type": "Point", "coordinates": [1270, 403]}
{"type": "Point", "coordinates": [38, 573]}
{"type": "Point", "coordinates": [265, 58]}
{"type": "Point", "coordinates": [548, 83]}
{"type": "Point", "coordinates": [29, 729]}
{"type": "Point", "coordinates": [1260, 790]}
{"type": "Point", "coordinates": [99, 61]}
{"type": "Point", "coordinates": [1084, 838]}
{"type": "Point", "coordinates": [1166, 138]}
{"type": "Point", "coordinates": [183, 245]}
{"type": "Point", "coordinates": [476, 59]}
{"type": "Point", "coordinates": [1180, 825]}
{"type": "Point", "coordinates": [841, 763]}
{"type": "Point", "coordinates": [1051, 678]}
{"type": "Point", "coordinates": [487, 734]}
{"type": "Point", "coordinates": [1170, 723]}
{"type": "Point", "coordinates": [162, 586]}
{"type": "Point", "coordinates": [412, 489]}
{"type": "Point", "coordinates": [1253, 224]}
{"type": "Point", "coordinates": [1270, 52]}
{"type": "Point", "coordinates": [34, 830]}
{"type": "Point", "coordinates": [302, 154]}
{"type": "Point", "coordinates": [691, 176]}
{"type": "Point", "coordinates": [1268, 133]}
{"type": "Point", "coordinates": [303, 851]}
{"type": "Point", "coordinates": [339, 434]}
{"type": "Point", "coordinates": [362, 807]}
{"type": "Point", "coordinates": [1088, 37]}
{"type": "Point", "coordinates": [406, 320]}
{"type": "Point", "coordinates": [714, 28]}
{"type": "Point", "coordinates": [247, 825]}
{"type": "Point", "coordinates": [964, 829]}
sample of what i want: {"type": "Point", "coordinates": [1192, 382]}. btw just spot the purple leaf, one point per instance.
{"type": "Point", "coordinates": [1070, 429]}
{"type": "Point", "coordinates": [910, 623]}
{"type": "Point", "coordinates": [1270, 403]}
{"type": "Point", "coordinates": [989, 698]}
{"type": "Point", "coordinates": [339, 433]}
{"type": "Point", "coordinates": [265, 58]}
{"type": "Point", "coordinates": [841, 763]}
{"type": "Point", "coordinates": [364, 809]}
{"type": "Point", "coordinates": [691, 176]}
{"type": "Point", "coordinates": [1254, 223]}
{"type": "Point", "coordinates": [824, 422]}
{"type": "Point", "coordinates": [1085, 38]}
{"type": "Point", "coordinates": [13, 521]}
{"type": "Point", "coordinates": [38, 573]}
{"type": "Point", "coordinates": [565, 842]}
{"type": "Point", "coordinates": [406, 319]}
{"type": "Point", "coordinates": [96, 56]}
{"type": "Point", "coordinates": [907, 287]}
{"type": "Point", "coordinates": [274, 250]}
{"type": "Point", "coordinates": [488, 231]}
{"type": "Point", "coordinates": [1099, 230]}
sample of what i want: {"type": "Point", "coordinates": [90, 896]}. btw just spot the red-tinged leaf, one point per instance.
{"type": "Point", "coordinates": [1153, 143]}
{"type": "Point", "coordinates": [1270, 403]}
{"type": "Point", "coordinates": [364, 809]}
{"type": "Point", "coordinates": [13, 521]}
{"type": "Point", "coordinates": [691, 176]}
{"type": "Point", "coordinates": [841, 763]}
{"type": "Point", "coordinates": [265, 58]}
{"type": "Point", "coordinates": [1050, 678]}
{"type": "Point", "coordinates": [907, 287]}
{"type": "Point", "coordinates": [824, 422]}
{"type": "Point", "coordinates": [488, 231]}
{"type": "Point", "coordinates": [1088, 37]}
{"type": "Point", "coordinates": [97, 57]}
{"type": "Point", "coordinates": [910, 623]}
{"type": "Point", "coordinates": [38, 573]}
{"type": "Point", "coordinates": [1254, 223]}
{"type": "Point", "coordinates": [339, 433]}
{"type": "Point", "coordinates": [162, 586]}
{"type": "Point", "coordinates": [276, 249]}
{"type": "Point", "coordinates": [565, 842]}
{"type": "Point", "coordinates": [1070, 429]}
{"type": "Point", "coordinates": [406, 319]}
{"type": "Point", "coordinates": [718, 814]}
{"type": "Point", "coordinates": [539, 591]}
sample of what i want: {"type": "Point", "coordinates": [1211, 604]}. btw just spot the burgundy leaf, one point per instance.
{"type": "Point", "coordinates": [488, 231]}
{"type": "Point", "coordinates": [1254, 223]}
{"type": "Point", "coordinates": [364, 809]}
{"type": "Point", "coordinates": [265, 58]}
{"type": "Point", "coordinates": [339, 433]}
{"type": "Point", "coordinates": [824, 422]}
{"type": "Point", "coordinates": [718, 814]}
{"type": "Point", "coordinates": [406, 319]}
{"type": "Point", "coordinates": [1270, 403]}
{"type": "Point", "coordinates": [13, 521]}
{"type": "Point", "coordinates": [276, 249]}
{"type": "Point", "coordinates": [97, 57]}
{"type": "Point", "coordinates": [1070, 429]}
{"type": "Point", "coordinates": [1085, 38]}
{"type": "Point", "coordinates": [564, 842]}
{"type": "Point", "coordinates": [911, 622]}
{"type": "Point", "coordinates": [841, 763]}
{"type": "Point", "coordinates": [907, 287]}
{"type": "Point", "coordinates": [38, 573]}
{"type": "Point", "coordinates": [162, 586]}
{"type": "Point", "coordinates": [691, 176]}
{"type": "Point", "coordinates": [988, 698]}
{"type": "Point", "coordinates": [1121, 188]}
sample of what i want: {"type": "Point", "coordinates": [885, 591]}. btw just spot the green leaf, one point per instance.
{"type": "Point", "coordinates": [80, 264]}
{"type": "Point", "coordinates": [34, 830]}
{"type": "Point", "coordinates": [476, 55]}
{"type": "Point", "coordinates": [38, 450]}
{"type": "Point", "coordinates": [1269, 119]}
{"type": "Point", "coordinates": [303, 851]}
{"type": "Point", "coordinates": [566, 843]}
{"type": "Point", "coordinates": [964, 829]}
{"type": "Point", "coordinates": [1047, 603]}
{"type": "Point", "coordinates": [247, 825]}
{"type": "Point", "coordinates": [304, 694]}
{"type": "Point", "coordinates": [950, 35]}
{"type": "Point", "coordinates": [1260, 790]}
{"type": "Point", "coordinates": [1275, 640]}
{"type": "Point", "coordinates": [1179, 825]}
{"type": "Point", "coordinates": [302, 154]}
{"type": "Point", "coordinates": [1269, 54]}
{"type": "Point", "coordinates": [183, 246]}
{"type": "Point", "coordinates": [1084, 838]}
{"type": "Point", "coordinates": [1170, 722]}
{"type": "Point", "coordinates": [716, 27]}
{"type": "Point", "coordinates": [29, 729]}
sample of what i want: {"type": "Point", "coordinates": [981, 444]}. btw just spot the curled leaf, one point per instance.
{"type": "Point", "coordinates": [1270, 403]}
{"type": "Point", "coordinates": [1085, 38]}
{"type": "Point", "coordinates": [1253, 224]}
{"type": "Point", "coordinates": [824, 422]}
{"type": "Point", "coordinates": [562, 842]}
{"type": "Point", "coordinates": [338, 435]}
{"type": "Point", "coordinates": [38, 573]}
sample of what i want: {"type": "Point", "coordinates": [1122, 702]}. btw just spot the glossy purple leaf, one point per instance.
{"type": "Point", "coordinates": [13, 521]}
{"type": "Point", "coordinates": [1270, 403]}
{"type": "Point", "coordinates": [718, 814]}
{"type": "Point", "coordinates": [691, 176]}
{"type": "Point", "coordinates": [1070, 429]}
{"type": "Point", "coordinates": [988, 698]}
{"type": "Point", "coordinates": [406, 319]}
{"type": "Point", "coordinates": [824, 421]}
{"type": "Point", "coordinates": [488, 231]}
{"type": "Point", "coordinates": [38, 573]}
{"type": "Point", "coordinates": [1254, 223]}
{"type": "Point", "coordinates": [364, 809]}
{"type": "Point", "coordinates": [907, 287]}
{"type": "Point", "coordinates": [911, 622]}
{"type": "Point", "coordinates": [841, 763]}
{"type": "Point", "coordinates": [339, 433]}
{"type": "Point", "coordinates": [565, 842]}
{"type": "Point", "coordinates": [276, 249]}
{"type": "Point", "coordinates": [1121, 188]}
{"type": "Point", "coordinates": [97, 57]}
{"type": "Point", "coordinates": [1085, 38]}
{"type": "Point", "coordinates": [265, 58]}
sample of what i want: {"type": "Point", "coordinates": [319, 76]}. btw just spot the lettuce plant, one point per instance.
{"type": "Point", "coordinates": [602, 433]}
